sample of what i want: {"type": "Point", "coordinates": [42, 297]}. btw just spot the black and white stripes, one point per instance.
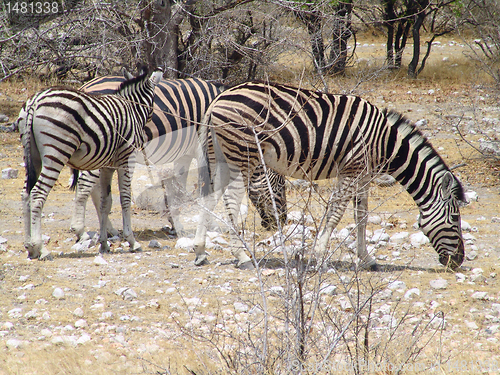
{"type": "Point", "coordinates": [311, 135]}
{"type": "Point", "coordinates": [68, 127]}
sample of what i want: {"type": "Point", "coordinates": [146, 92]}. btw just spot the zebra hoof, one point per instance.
{"type": "Point", "coordinates": [248, 265]}
{"type": "Point", "coordinates": [201, 260]}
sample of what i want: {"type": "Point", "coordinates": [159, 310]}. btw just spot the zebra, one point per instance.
{"type": "Point", "coordinates": [179, 106]}
{"type": "Point", "coordinates": [312, 135]}
{"type": "Point", "coordinates": [62, 126]}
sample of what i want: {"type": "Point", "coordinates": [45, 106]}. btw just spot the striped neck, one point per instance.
{"type": "Point", "coordinates": [413, 161]}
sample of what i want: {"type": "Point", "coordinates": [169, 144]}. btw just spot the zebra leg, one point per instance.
{"type": "Point", "coordinates": [105, 177]}
{"type": "Point", "coordinates": [95, 194]}
{"type": "Point", "coordinates": [33, 203]}
{"type": "Point", "coordinates": [360, 202]}
{"type": "Point", "coordinates": [177, 188]}
{"type": "Point", "coordinates": [87, 185]}
{"type": "Point", "coordinates": [335, 212]}
{"type": "Point", "coordinates": [233, 196]}
{"type": "Point", "coordinates": [124, 182]}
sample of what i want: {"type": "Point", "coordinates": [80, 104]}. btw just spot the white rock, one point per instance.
{"type": "Point", "coordinates": [58, 293]}
{"type": "Point", "coordinates": [9, 173]}
{"type": "Point", "coordinates": [100, 261]}
{"type": "Point", "coordinates": [330, 290]}
{"type": "Point", "coordinates": [195, 301]}
{"type": "Point", "coordinates": [380, 235]}
{"type": "Point", "coordinates": [471, 196]}
{"type": "Point", "coordinates": [299, 217]}
{"type": "Point", "coordinates": [277, 289]}
{"type": "Point", "coordinates": [471, 255]}
{"type": "Point", "coordinates": [46, 332]}
{"type": "Point", "coordinates": [460, 277]}
{"type": "Point", "coordinates": [419, 239]}
{"type": "Point", "coordinates": [7, 326]}
{"type": "Point", "coordinates": [128, 294]}
{"type": "Point", "coordinates": [396, 285]}
{"type": "Point", "coordinates": [14, 344]}
{"type": "Point", "coordinates": [32, 314]}
{"type": "Point", "coordinates": [345, 304]}
{"type": "Point", "coordinates": [421, 122]}
{"type": "Point", "coordinates": [439, 284]}
{"type": "Point", "coordinates": [472, 325]}
{"type": "Point", "coordinates": [399, 237]}
{"type": "Point", "coordinates": [466, 227]}
{"type": "Point", "coordinates": [184, 243]}
{"type": "Point", "coordinates": [80, 323]}
{"type": "Point", "coordinates": [483, 296]}
{"type": "Point", "coordinates": [496, 308]}
{"type": "Point", "coordinates": [412, 292]}
{"type": "Point", "coordinates": [468, 237]}
{"type": "Point", "coordinates": [154, 244]}
{"type": "Point", "coordinates": [106, 315]}
{"type": "Point", "coordinates": [477, 271]}
{"type": "Point", "coordinates": [2, 241]}
{"type": "Point", "coordinates": [240, 307]}
{"type": "Point", "coordinates": [83, 339]}
{"type": "Point", "coordinates": [374, 219]}
{"type": "Point", "coordinates": [15, 312]}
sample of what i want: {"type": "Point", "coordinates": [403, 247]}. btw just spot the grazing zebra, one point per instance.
{"type": "Point", "coordinates": [69, 127]}
{"type": "Point", "coordinates": [179, 106]}
{"type": "Point", "coordinates": [314, 136]}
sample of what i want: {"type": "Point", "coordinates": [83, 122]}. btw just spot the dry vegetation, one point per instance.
{"type": "Point", "coordinates": [217, 319]}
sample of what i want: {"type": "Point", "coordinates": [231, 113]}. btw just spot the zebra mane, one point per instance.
{"type": "Point", "coordinates": [131, 82]}
{"type": "Point", "coordinates": [415, 137]}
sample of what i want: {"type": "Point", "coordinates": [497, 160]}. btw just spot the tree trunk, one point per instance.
{"type": "Point", "coordinates": [390, 19]}
{"type": "Point", "coordinates": [341, 34]}
{"type": "Point", "coordinates": [312, 20]}
{"type": "Point", "coordinates": [412, 67]}
{"type": "Point", "coordinates": [162, 27]}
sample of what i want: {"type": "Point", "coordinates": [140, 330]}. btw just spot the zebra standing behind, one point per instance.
{"type": "Point", "coordinates": [179, 107]}
{"type": "Point", "coordinates": [62, 126]}
{"type": "Point", "coordinates": [314, 136]}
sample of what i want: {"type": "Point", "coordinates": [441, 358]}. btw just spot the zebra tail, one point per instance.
{"type": "Point", "coordinates": [74, 182]}
{"type": "Point", "coordinates": [204, 173]}
{"type": "Point", "coordinates": [28, 141]}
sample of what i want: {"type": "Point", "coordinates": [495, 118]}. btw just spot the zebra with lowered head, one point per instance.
{"type": "Point", "coordinates": [312, 135]}
{"type": "Point", "coordinates": [61, 126]}
{"type": "Point", "coordinates": [171, 136]}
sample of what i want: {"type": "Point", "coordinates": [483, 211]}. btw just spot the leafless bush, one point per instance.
{"type": "Point", "coordinates": [483, 17]}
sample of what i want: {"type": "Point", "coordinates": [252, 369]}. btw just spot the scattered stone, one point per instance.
{"type": "Point", "coordinates": [489, 147]}
{"type": "Point", "coordinates": [58, 293]}
{"type": "Point", "coordinates": [240, 307]}
{"type": "Point", "coordinates": [4, 118]}
{"type": "Point", "coordinates": [330, 290]}
{"type": "Point", "coordinates": [7, 326]}
{"type": "Point", "coordinates": [185, 243]}
{"type": "Point", "coordinates": [471, 255]}
{"type": "Point", "coordinates": [495, 219]}
{"type": "Point", "coordinates": [422, 122]}
{"type": "Point", "coordinates": [471, 196]}
{"type": "Point", "coordinates": [78, 312]}
{"type": "Point", "coordinates": [419, 239]}
{"type": "Point", "coordinates": [100, 261]}
{"type": "Point", "coordinates": [345, 304]}
{"type": "Point", "coordinates": [15, 313]}
{"type": "Point", "coordinates": [374, 219]}
{"type": "Point", "coordinates": [31, 314]}
{"type": "Point", "coordinates": [81, 323]}
{"type": "Point", "coordinates": [399, 237]}
{"type": "Point", "coordinates": [396, 285]}
{"type": "Point", "coordinates": [482, 296]}
{"type": "Point", "coordinates": [13, 344]}
{"type": "Point", "coordinates": [2, 241]}
{"type": "Point", "coordinates": [154, 244]}
{"type": "Point", "coordinates": [460, 277]}
{"type": "Point", "coordinates": [9, 173]}
{"type": "Point", "coordinates": [466, 227]}
{"type": "Point", "coordinates": [471, 325]}
{"type": "Point", "coordinates": [412, 292]}
{"type": "Point", "coordinates": [126, 293]}
{"type": "Point", "coordinates": [439, 284]}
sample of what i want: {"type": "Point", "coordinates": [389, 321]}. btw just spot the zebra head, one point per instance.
{"type": "Point", "coordinates": [440, 221]}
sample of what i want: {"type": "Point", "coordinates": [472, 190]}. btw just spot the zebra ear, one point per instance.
{"type": "Point", "coordinates": [127, 74]}
{"type": "Point", "coordinates": [156, 76]}
{"type": "Point", "coordinates": [447, 185]}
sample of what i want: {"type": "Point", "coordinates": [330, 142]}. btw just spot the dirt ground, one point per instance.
{"type": "Point", "coordinates": [75, 315]}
